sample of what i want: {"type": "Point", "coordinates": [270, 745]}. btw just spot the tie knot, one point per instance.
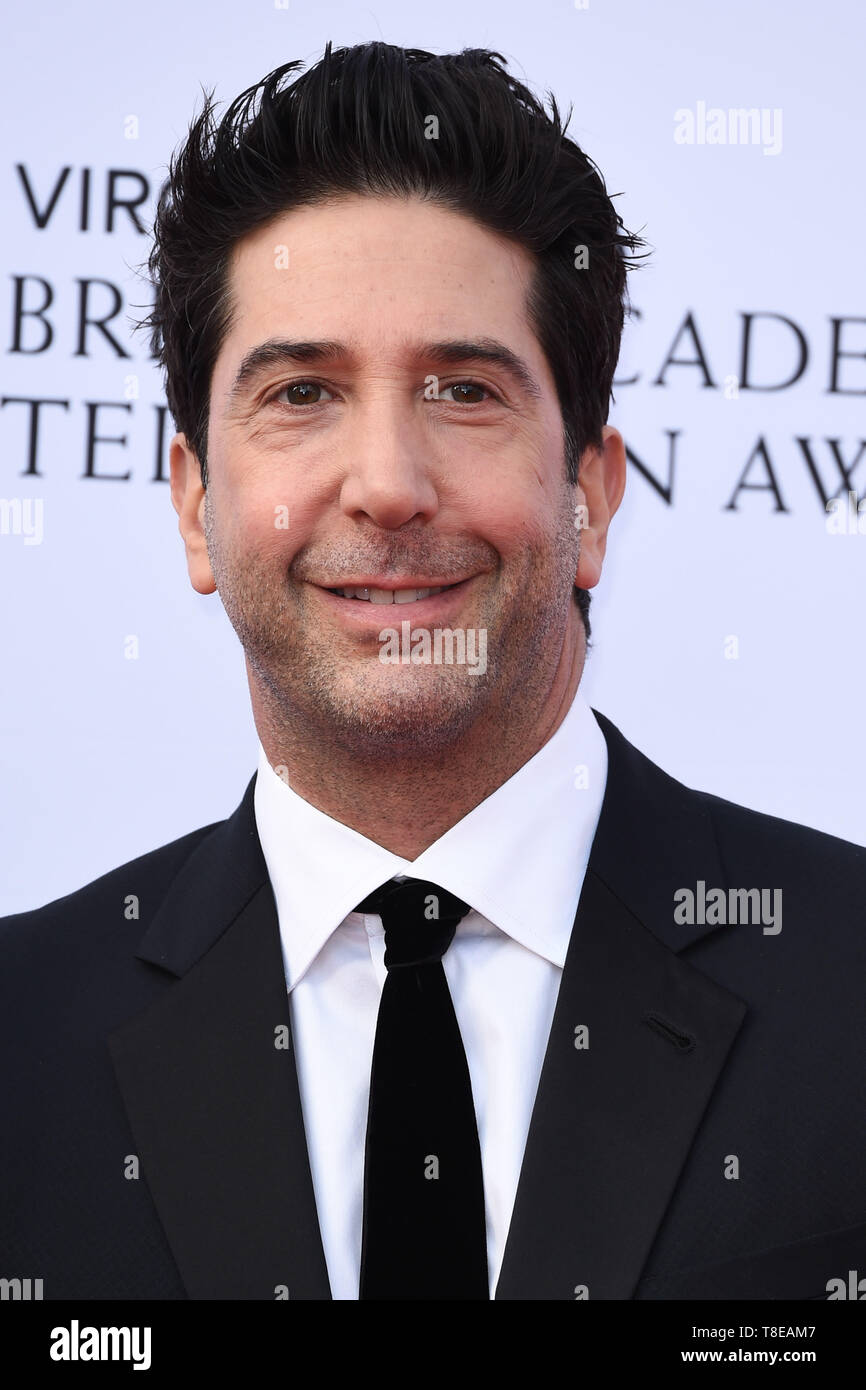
{"type": "Point", "coordinates": [419, 918]}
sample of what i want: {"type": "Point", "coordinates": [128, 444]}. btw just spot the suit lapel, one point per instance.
{"type": "Point", "coordinates": [212, 1100]}
{"type": "Point", "coordinates": [614, 1120]}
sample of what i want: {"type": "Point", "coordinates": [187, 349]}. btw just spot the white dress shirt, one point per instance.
{"type": "Point", "coordinates": [519, 859]}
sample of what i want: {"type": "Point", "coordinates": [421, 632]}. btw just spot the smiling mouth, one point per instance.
{"type": "Point", "coordinates": [390, 596]}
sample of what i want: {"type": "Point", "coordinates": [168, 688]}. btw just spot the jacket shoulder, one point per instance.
{"type": "Point", "coordinates": [654, 806]}
{"type": "Point", "coordinates": [821, 876]}
{"type": "Point", "coordinates": [760, 834]}
{"type": "Point", "coordinates": [102, 900]}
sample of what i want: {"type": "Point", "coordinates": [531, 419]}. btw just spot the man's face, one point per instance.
{"type": "Point", "coordinates": [385, 460]}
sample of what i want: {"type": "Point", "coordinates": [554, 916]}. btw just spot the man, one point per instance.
{"type": "Point", "coordinates": [467, 999]}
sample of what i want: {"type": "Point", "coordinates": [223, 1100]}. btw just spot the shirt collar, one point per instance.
{"type": "Point", "coordinates": [519, 857]}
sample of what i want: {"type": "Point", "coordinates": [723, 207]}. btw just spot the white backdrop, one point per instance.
{"type": "Point", "coordinates": [103, 757]}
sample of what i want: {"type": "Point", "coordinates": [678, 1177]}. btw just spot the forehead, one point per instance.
{"type": "Point", "coordinates": [380, 272]}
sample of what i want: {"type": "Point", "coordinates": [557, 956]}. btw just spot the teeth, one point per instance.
{"type": "Point", "coordinates": [410, 595]}
{"type": "Point", "coordinates": [384, 596]}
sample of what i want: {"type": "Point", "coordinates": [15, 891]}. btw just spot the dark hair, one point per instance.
{"type": "Point", "coordinates": [357, 122]}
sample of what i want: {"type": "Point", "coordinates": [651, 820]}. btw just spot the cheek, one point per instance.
{"type": "Point", "coordinates": [522, 519]}
{"type": "Point", "coordinates": [272, 516]}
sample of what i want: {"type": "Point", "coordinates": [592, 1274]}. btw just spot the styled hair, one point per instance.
{"type": "Point", "coordinates": [360, 121]}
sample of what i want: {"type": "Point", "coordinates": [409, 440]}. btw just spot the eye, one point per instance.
{"type": "Point", "coordinates": [463, 386]}
{"type": "Point", "coordinates": [300, 394]}
{"type": "Point", "coordinates": [305, 393]}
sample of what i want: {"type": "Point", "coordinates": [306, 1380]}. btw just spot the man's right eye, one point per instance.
{"type": "Point", "coordinates": [301, 390]}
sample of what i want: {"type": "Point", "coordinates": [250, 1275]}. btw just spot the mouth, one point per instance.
{"type": "Point", "coordinates": [408, 594]}
{"type": "Point", "coordinates": [370, 604]}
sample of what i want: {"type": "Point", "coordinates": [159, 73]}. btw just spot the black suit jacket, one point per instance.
{"type": "Point", "coordinates": [146, 1044]}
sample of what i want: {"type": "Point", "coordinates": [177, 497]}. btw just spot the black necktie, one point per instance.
{"type": "Point", "coordinates": [424, 1232]}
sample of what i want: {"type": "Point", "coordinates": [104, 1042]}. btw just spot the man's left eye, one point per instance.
{"type": "Point", "coordinates": [463, 386]}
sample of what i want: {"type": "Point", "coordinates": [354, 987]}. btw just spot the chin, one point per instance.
{"type": "Point", "coordinates": [397, 720]}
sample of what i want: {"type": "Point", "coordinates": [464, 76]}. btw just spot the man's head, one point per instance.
{"type": "Point", "coordinates": [382, 210]}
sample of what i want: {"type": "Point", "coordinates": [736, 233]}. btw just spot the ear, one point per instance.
{"type": "Point", "coordinates": [188, 498]}
{"type": "Point", "coordinates": [600, 486]}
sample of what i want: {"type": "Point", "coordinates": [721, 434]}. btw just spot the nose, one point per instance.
{"type": "Point", "coordinates": [388, 471]}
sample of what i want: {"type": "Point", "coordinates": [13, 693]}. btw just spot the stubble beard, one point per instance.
{"type": "Point", "coordinates": [320, 692]}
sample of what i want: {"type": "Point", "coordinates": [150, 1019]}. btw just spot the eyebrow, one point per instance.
{"type": "Point", "coordinates": [282, 352]}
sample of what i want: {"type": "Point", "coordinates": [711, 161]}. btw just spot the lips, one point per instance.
{"type": "Point", "coordinates": [366, 594]}
{"type": "Point", "coordinates": [430, 604]}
